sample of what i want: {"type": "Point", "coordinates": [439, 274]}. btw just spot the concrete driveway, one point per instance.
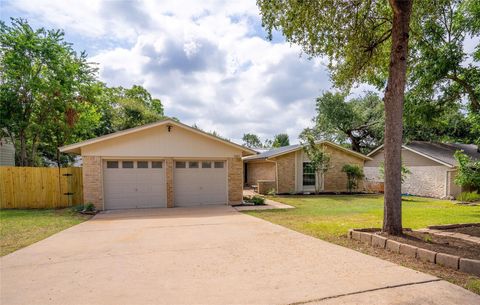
{"type": "Point", "coordinates": [211, 255]}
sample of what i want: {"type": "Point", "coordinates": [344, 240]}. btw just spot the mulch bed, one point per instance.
{"type": "Point", "coordinates": [449, 245]}
{"type": "Point", "coordinates": [472, 230]}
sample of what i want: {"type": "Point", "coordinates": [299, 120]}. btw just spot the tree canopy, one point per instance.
{"type": "Point", "coordinates": [251, 140]}
{"type": "Point", "coordinates": [50, 96]}
{"type": "Point", "coordinates": [358, 120]}
{"type": "Point", "coordinates": [280, 140]}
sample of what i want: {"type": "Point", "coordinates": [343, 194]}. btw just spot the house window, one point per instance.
{"type": "Point", "coordinates": [142, 164]}
{"type": "Point", "coordinates": [308, 174]}
{"type": "Point", "coordinates": [193, 164]}
{"type": "Point", "coordinates": [206, 164]}
{"type": "Point", "coordinates": [127, 164]}
{"type": "Point", "coordinates": [156, 164]}
{"type": "Point", "coordinates": [112, 164]}
{"type": "Point", "coordinates": [180, 164]}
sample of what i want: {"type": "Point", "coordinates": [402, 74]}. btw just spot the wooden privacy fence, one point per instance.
{"type": "Point", "coordinates": [40, 187]}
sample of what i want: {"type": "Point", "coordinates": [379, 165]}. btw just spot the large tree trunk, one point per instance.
{"type": "Point", "coordinates": [394, 97]}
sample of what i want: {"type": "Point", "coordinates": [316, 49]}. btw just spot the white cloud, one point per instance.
{"type": "Point", "coordinates": [206, 60]}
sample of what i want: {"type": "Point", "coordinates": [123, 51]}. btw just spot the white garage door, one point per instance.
{"type": "Point", "coordinates": [134, 184]}
{"type": "Point", "coordinates": [200, 183]}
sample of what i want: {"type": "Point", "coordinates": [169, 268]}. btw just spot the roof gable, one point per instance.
{"type": "Point", "coordinates": [168, 123]}
{"type": "Point", "coordinates": [442, 153]}
{"type": "Point", "coordinates": [288, 149]}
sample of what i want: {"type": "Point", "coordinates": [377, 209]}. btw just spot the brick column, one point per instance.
{"type": "Point", "coordinates": [169, 175]}
{"type": "Point", "coordinates": [235, 180]}
{"type": "Point", "coordinates": [93, 180]}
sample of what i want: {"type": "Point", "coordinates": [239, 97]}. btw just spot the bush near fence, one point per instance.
{"type": "Point", "coordinates": [40, 187]}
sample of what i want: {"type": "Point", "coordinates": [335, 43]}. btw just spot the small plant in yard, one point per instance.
{"type": "Point", "coordinates": [468, 197]}
{"type": "Point", "coordinates": [427, 238]}
{"type": "Point", "coordinates": [271, 192]}
{"type": "Point", "coordinates": [256, 200]}
{"type": "Point", "coordinates": [354, 173]}
{"type": "Point", "coordinates": [468, 171]}
{"type": "Point", "coordinates": [319, 159]}
{"type": "Point", "coordinates": [87, 208]}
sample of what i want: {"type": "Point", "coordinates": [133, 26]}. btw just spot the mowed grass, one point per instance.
{"type": "Point", "coordinates": [20, 228]}
{"type": "Point", "coordinates": [330, 216]}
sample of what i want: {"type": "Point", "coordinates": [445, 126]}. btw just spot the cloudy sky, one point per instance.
{"type": "Point", "coordinates": [208, 61]}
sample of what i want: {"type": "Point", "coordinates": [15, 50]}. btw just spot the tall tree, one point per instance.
{"type": "Point", "coordinates": [280, 140]}
{"type": "Point", "coordinates": [441, 67]}
{"type": "Point", "coordinates": [41, 86]}
{"type": "Point", "coordinates": [365, 41]}
{"type": "Point", "coordinates": [251, 140]}
{"type": "Point", "coordinates": [360, 120]}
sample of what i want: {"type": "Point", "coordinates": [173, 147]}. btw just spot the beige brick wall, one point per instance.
{"type": "Point", "coordinates": [286, 173]}
{"type": "Point", "coordinates": [265, 186]}
{"type": "Point", "coordinates": [260, 171]}
{"type": "Point", "coordinates": [334, 179]}
{"type": "Point", "coordinates": [93, 181]}
{"type": "Point", "coordinates": [235, 180]}
{"type": "Point", "coordinates": [169, 181]}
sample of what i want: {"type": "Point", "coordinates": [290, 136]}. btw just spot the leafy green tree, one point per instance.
{"type": "Point", "coordinates": [354, 173]}
{"type": "Point", "coordinates": [319, 159]}
{"type": "Point", "coordinates": [468, 174]}
{"type": "Point", "coordinates": [42, 84]}
{"type": "Point", "coordinates": [132, 107]}
{"type": "Point", "coordinates": [360, 120]}
{"type": "Point", "coordinates": [440, 67]}
{"type": "Point", "coordinates": [251, 140]}
{"type": "Point", "coordinates": [280, 140]}
{"type": "Point", "coordinates": [365, 41]}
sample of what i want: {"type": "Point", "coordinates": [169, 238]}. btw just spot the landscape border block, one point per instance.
{"type": "Point", "coordinates": [378, 241]}
{"type": "Point", "coordinates": [471, 266]}
{"type": "Point", "coordinates": [408, 250]}
{"type": "Point", "coordinates": [448, 260]}
{"type": "Point", "coordinates": [366, 237]}
{"type": "Point", "coordinates": [426, 255]}
{"type": "Point", "coordinates": [393, 246]}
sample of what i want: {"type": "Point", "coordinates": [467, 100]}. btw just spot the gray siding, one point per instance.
{"type": "Point", "coordinates": [7, 154]}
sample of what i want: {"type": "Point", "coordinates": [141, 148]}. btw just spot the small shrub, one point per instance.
{"type": "Point", "coordinates": [354, 173]}
{"type": "Point", "coordinates": [89, 207]}
{"type": "Point", "coordinates": [468, 197]}
{"type": "Point", "coordinates": [428, 239]}
{"type": "Point", "coordinates": [271, 192]}
{"type": "Point", "coordinates": [257, 200]}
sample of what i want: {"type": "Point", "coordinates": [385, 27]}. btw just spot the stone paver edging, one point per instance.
{"type": "Point", "coordinates": [466, 265]}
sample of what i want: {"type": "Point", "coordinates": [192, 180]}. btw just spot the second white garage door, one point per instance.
{"type": "Point", "coordinates": [200, 183]}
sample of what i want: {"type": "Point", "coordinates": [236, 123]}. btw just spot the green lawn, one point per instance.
{"type": "Point", "coordinates": [20, 228]}
{"type": "Point", "coordinates": [330, 216]}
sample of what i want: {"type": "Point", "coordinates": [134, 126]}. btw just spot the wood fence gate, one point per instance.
{"type": "Point", "coordinates": [40, 187]}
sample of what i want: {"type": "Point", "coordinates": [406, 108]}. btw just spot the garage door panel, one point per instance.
{"type": "Point", "coordinates": [200, 186]}
{"type": "Point", "coordinates": [134, 187]}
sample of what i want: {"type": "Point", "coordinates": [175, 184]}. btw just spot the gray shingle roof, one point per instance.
{"type": "Point", "coordinates": [444, 151]}
{"type": "Point", "coordinates": [272, 152]}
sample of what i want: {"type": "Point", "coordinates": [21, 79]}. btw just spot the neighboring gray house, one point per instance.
{"type": "Point", "coordinates": [432, 165]}
{"type": "Point", "coordinates": [7, 153]}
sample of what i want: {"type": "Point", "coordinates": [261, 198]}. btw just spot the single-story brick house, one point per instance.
{"type": "Point", "coordinates": [163, 164]}
{"type": "Point", "coordinates": [432, 165]}
{"type": "Point", "coordinates": [287, 169]}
